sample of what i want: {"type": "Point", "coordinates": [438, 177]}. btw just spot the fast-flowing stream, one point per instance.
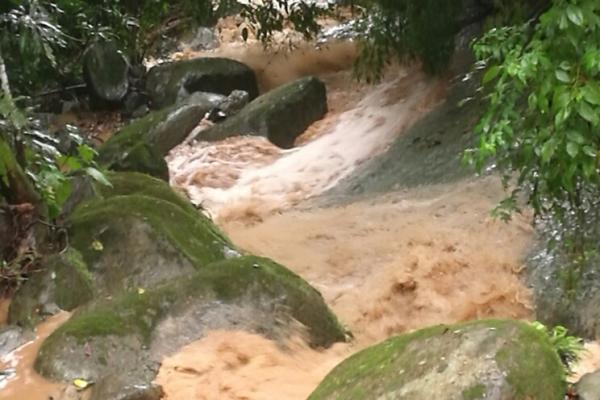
{"type": "Point", "coordinates": [386, 264]}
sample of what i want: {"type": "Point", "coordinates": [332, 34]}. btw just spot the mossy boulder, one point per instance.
{"type": "Point", "coordinates": [138, 240]}
{"type": "Point", "coordinates": [142, 145]}
{"type": "Point", "coordinates": [494, 360]}
{"type": "Point", "coordinates": [106, 71]}
{"type": "Point", "coordinates": [63, 283]}
{"type": "Point", "coordinates": [168, 82]}
{"type": "Point", "coordinates": [130, 334]}
{"type": "Point", "coordinates": [280, 115]}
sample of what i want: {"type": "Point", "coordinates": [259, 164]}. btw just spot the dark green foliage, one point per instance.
{"type": "Point", "coordinates": [543, 119]}
{"type": "Point", "coordinates": [407, 30]}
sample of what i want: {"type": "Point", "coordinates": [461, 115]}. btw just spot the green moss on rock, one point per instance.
{"type": "Point", "coordinates": [248, 293]}
{"type": "Point", "coordinates": [139, 241]}
{"type": "Point", "coordinates": [142, 145]}
{"type": "Point", "coordinates": [510, 359]}
{"type": "Point", "coordinates": [280, 115]}
{"type": "Point", "coordinates": [63, 282]}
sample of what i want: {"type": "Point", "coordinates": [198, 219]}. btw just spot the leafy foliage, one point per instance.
{"type": "Point", "coordinates": [568, 348]}
{"type": "Point", "coordinates": [406, 30]}
{"type": "Point", "coordinates": [542, 124]}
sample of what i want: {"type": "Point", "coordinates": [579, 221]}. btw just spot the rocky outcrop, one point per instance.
{"type": "Point", "coordinates": [280, 115]}
{"type": "Point", "coordinates": [106, 70]}
{"type": "Point", "coordinates": [588, 387]}
{"type": "Point", "coordinates": [167, 83]}
{"type": "Point", "coordinates": [566, 294]}
{"type": "Point", "coordinates": [63, 284]}
{"type": "Point", "coordinates": [136, 233]}
{"type": "Point", "coordinates": [494, 360]}
{"type": "Point", "coordinates": [138, 241]}
{"type": "Point", "coordinates": [142, 145]}
{"type": "Point", "coordinates": [130, 334]}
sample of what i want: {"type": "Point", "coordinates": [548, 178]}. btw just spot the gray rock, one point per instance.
{"type": "Point", "coordinates": [105, 70]}
{"type": "Point", "coordinates": [235, 102]}
{"type": "Point", "coordinates": [141, 111]}
{"type": "Point", "coordinates": [63, 284]}
{"type": "Point", "coordinates": [142, 145]}
{"type": "Point", "coordinates": [12, 337]}
{"type": "Point", "coordinates": [129, 335]}
{"type": "Point", "coordinates": [560, 297]}
{"type": "Point", "coordinates": [588, 387]}
{"type": "Point", "coordinates": [492, 360]}
{"type": "Point", "coordinates": [120, 387]}
{"type": "Point", "coordinates": [280, 115]}
{"type": "Point", "coordinates": [169, 81]}
{"type": "Point", "coordinates": [202, 99]}
{"type": "Point", "coordinates": [202, 38]}
{"type": "Point", "coordinates": [133, 101]}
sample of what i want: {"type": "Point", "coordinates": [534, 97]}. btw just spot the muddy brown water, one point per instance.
{"type": "Point", "coordinates": [24, 383]}
{"type": "Point", "coordinates": [387, 265]}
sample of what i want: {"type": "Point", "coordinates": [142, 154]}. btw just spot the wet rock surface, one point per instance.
{"type": "Point", "coordinates": [499, 360]}
{"type": "Point", "coordinates": [130, 334]}
{"type": "Point", "coordinates": [166, 83]}
{"type": "Point", "coordinates": [280, 115]}
{"type": "Point", "coordinates": [141, 145]}
{"type": "Point", "coordinates": [12, 337]}
{"type": "Point", "coordinates": [105, 71]}
{"type": "Point", "coordinates": [64, 283]}
{"type": "Point", "coordinates": [428, 153]}
{"type": "Point", "coordinates": [588, 387]}
{"type": "Point", "coordinates": [564, 295]}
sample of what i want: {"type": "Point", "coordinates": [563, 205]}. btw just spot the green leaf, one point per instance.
{"type": "Point", "coordinates": [587, 112]}
{"type": "Point", "coordinates": [562, 76]}
{"type": "Point", "coordinates": [590, 151]}
{"type": "Point", "coordinates": [591, 93]}
{"type": "Point", "coordinates": [575, 15]}
{"type": "Point", "coordinates": [548, 150]}
{"type": "Point", "coordinates": [98, 176]}
{"type": "Point", "coordinates": [572, 149]}
{"type": "Point", "coordinates": [86, 153]}
{"type": "Point", "coordinates": [490, 74]}
{"type": "Point", "coordinates": [576, 137]}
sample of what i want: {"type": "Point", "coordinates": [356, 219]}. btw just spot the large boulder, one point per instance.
{"type": "Point", "coordinates": [281, 115]}
{"type": "Point", "coordinates": [565, 293]}
{"type": "Point", "coordinates": [129, 335]}
{"type": "Point", "coordinates": [142, 248]}
{"type": "Point", "coordinates": [166, 83]}
{"type": "Point", "coordinates": [142, 145]}
{"type": "Point", "coordinates": [63, 283]}
{"type": "Point", "coordinates": [492, 360]}
{"type": "Point", "coordinates": [106, 71]}
{"type": "Point", "coordinates": [140, 240]}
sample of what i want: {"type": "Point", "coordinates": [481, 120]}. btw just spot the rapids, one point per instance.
{"type": "Point", "coordinates": [386, 264]}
